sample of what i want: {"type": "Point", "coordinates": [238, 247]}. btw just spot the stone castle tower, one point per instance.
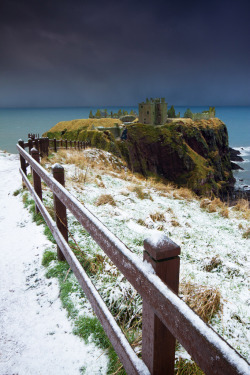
{"type": "Point", "coordinates": [153, 111]}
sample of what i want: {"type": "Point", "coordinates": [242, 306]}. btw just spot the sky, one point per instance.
{"type": "Point", "coordinates": [85, 53]}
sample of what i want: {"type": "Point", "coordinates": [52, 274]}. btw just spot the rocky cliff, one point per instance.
{"type": "Point", "coordinates": [189, 153]}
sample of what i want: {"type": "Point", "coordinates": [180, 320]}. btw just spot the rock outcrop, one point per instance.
{"type": "Point", "coordinates": [189, 153]}
{"type": "Point", "coordinates": [235, 155]}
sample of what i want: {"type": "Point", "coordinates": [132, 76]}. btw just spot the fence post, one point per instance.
{"type": "Point", "coordinates": [55, 148]}
{"type": "Point", "coordinates": [47, 146]}
{"type": "Point", "coordinates": [60, 209]}
{"type": "Point", "coordinates": [36, 178]}
{"type": "Point", "coordinates": [75, 144]}
{"type": "Point", "coordinates": [66, 144]}
{"type": "Point", "coordinates": [158, 344]}
{"type": "Point", "coordinates": [30, 145]}
{"type": "Point", "coordinates": [22, 160]}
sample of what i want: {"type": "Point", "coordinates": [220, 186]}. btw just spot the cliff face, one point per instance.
{"type": "Point", "coordinates": [189, 153]}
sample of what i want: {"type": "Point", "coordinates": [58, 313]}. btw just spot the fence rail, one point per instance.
{"type": "Point", "coordinates": [165, 316]}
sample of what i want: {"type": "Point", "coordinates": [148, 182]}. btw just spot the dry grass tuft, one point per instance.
{"type": "Point", "coordinates": [99, 183]}
{"type": "Point", "coordinates": [225, 212]}
{"type": "Point", "coordinates": [215, 205]}
{"type": "Point", "coordinates": [246, 234]}
{"type": "Point", "coordinates": [242, 208]}
{"type": "Point", "coordinates": [124, 192]}
{"type": "Point", "coordinates": [175, 223]}
{"type": "Point", "coordinates": [158, 216]}
{"type": "Point", "coordinates": [213, 263]}
{"type": "Point", "coordinates": [204, 203]}
{"type": "Point", "coordinates": [186, 367]}
{"type": "Point", "coordinates": [242, 205]}
{"type": "Point", "coordinates": [204, 300]}
{"type": "Point", "coordinates": [160, 186]}
{"type": "Point", "coordinates": [184, 193]}
{"type": "Point", "coordinates": [141, 194]}
{"type": "Point", "coordinates": [105, 199]}
{"type": "Point", "coordinates": [160, 227]}
{"type": "Point", "coordinates": [141, 222]}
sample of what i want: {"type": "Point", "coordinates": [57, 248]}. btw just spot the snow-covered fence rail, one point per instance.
{"type": "Point", "coordinates": [165, 315]}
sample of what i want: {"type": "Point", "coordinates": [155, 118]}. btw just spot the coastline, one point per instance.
{"type": "Point", "coordinates": [242, 183]}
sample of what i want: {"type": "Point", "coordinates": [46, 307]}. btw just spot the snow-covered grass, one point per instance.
{"type": "Point", "coordinates": [213, 237]}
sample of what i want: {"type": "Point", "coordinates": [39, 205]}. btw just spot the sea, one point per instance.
{"type": "Point", "coordinates": [16, 123]}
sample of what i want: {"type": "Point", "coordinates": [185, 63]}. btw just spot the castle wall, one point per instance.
{"type": "Point", "coordinates": [147, 113]}
{"type": "Point", "coordinates": [153, 112]}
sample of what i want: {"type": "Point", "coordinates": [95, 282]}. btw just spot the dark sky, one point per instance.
{"type": "Point", "coordinates": [79, 53]}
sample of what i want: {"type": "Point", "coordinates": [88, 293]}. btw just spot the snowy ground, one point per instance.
{"type": "Point", "coordinates": [202, 236]}
{"type": "Point", "coordinates": [34, 329]}
{"type": "Point", "coordinates": [35, 334]}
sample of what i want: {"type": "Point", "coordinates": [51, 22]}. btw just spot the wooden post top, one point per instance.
{"type": "Point", "coordinates": [34, 150]}
{"type": "Point", "coordinates": [57, 168]}
{"type": "Point", "coordinates": [161, 247]}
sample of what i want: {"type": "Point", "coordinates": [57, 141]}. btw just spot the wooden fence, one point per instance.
{"type": "Point", "coordinates": [165, 316]}
{"type": "Point", "coordinates": [44, 144]}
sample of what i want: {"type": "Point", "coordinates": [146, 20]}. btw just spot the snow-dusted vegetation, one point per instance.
{"type": "Point", "coordinates": [214, 240]}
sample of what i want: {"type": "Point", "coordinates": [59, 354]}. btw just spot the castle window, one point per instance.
{"type": "Point", "coordinates": [147, 112]}
{"type": "Point", "coordinates": [141, 106]}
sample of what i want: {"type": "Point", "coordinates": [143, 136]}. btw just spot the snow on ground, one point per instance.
{"type": "Point", "coordinates": [201, 235]}
{"type": "Point", "coordinates": [35, 335]}
{"type": "Point", "coordinates": [28, 297]}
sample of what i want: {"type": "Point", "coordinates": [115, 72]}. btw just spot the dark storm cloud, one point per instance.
{"type": "Point", "coordinates": [83, 53]}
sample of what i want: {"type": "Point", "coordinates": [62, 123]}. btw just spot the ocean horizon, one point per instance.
{"type": "Point", "coordinates": [16, 123]}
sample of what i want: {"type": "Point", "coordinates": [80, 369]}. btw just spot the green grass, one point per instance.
{"type": "Point", "coordinates": [16, 192]}
{"type": "Point", "coordinates": [88, 328]}
{"type": "Point", "coordinates": [48, 257]}
{"type": "Point", "coordinates": [48, 234]}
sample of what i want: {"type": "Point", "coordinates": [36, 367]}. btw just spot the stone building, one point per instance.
{"type": "Point", "coordinates": [204, 115]}
{"type": "Point", "coordinates": [153, 111]}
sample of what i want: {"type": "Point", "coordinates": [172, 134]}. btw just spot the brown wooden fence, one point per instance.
{"type": "Point", "coordinates": [165, 316]}
{"type": "Point", "coordinates": [44, 144]}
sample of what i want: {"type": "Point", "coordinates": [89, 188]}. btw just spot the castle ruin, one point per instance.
{"type": "Point", "coordinates": [153, 111]}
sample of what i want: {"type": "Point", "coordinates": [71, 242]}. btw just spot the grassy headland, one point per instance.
{"type": "Point", "coordinates": [189, 153]}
